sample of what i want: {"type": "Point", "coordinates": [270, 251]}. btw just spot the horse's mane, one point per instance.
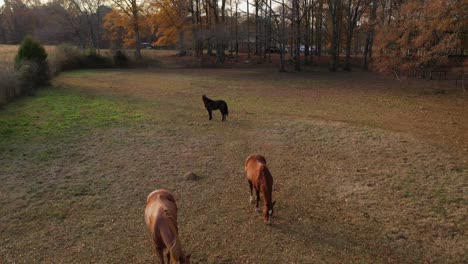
{"type": "Point", "coordinates": [169, 211]}
{"type": "Point", "coordinates": [205, 98]}
{"type": "Point", "coordinates": [266, 184]}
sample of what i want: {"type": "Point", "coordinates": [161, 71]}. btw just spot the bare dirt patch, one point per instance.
{"type": "Point", "coordinates": [365, 171]}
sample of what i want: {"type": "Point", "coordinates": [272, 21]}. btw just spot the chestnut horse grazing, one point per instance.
{"type": "Point", "coordinates": [161, 219]}
{"type": "Point", "coordinates": [260, 178]}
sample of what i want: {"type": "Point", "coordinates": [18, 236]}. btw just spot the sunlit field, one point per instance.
{"type": "Point", "coordinates": [366, 169]}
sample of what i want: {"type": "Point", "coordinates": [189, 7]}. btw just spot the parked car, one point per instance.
{"type": "Point", "coordinates": [311, 50]}
{"type": "Point", "coordinates": [146, 45]}
{"type": "Point", "coordinates": [274, 49]}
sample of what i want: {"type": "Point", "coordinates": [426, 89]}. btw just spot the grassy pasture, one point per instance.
{"type": "Point", "coordinates": [366, 169]}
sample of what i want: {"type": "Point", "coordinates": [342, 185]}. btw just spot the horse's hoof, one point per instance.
{"type": "Point", "coordinates": [251, 200]}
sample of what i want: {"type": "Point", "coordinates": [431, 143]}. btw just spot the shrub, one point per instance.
{"type": "Point", "coordinates": [33, 56]}
{"type": "Point", "coordinates": [9, 85]}
{"type": "Point", "coordinates": [94, 60]}
{"type": "Point", "coordinates": [120, 59]}
{"type": "Point", "coordinates": [66, 57]}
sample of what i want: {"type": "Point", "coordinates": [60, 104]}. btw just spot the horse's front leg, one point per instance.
{"type": "Point", "coordinates": [251, 192]}
{"type": "Point", "coordinates": [210, 114]}
{"type": "Point", "coordinates": [258, 199]}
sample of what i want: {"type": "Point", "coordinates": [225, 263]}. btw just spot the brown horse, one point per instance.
{"type": "Point", "coordinates": [161, 219]}
{"type": "Point", "coordinates": [260, 178]}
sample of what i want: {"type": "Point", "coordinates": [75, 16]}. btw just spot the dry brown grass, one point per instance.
{"type": "Point", "coordinates": [367, 170]}
{"type": "Point", "coordinates": [8, 53]}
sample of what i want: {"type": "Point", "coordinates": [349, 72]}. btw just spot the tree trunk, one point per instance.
{"type": "Point", "coordinates": [370, 36]}
{"type": "Point", "coordinates": [237, 40]}
{"type": "Point", "coordinates": [283, 39]}
{"type": "Point", "coordinates": [334, 6]}
{"type": "Point", "coordinates": [318, 28]}
{"type": "Point", "coordinates": [256, 27]}
{"type": "Point", "coordinates": [306, 31]}
{"type": "Point", "coordinates": [347, 66]}
{"type": "Point", "coordinates": [248, 30]}
{"type": "Point", "coordinates": [136, 29]}
{"type": "Point", "coordinates": [222, 42]}
{"type": "Point", "coordinates": [354, 14]}
{"type": "Point", "coordinates": [297, 21]}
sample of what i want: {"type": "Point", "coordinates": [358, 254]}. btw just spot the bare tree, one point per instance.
{"type": "Point", "coordinates": [370, 35]}
{"type": "Point", "coordinates": [334, 7]}
{"type": "Point", "coordinates": [354, 11]}
{"type": "Point", "coordinates": [89, 9]}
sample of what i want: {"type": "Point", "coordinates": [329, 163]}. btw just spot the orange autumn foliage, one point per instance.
{"type": "Point", "coordinates": [120, 31]}
{"type": "Point", "coordinates": [171, 17]}
{"type": "Point", "coordinates": [421, 33]}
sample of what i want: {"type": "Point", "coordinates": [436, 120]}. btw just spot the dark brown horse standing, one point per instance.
{"type": "Point", "coordinates": [161, 220]}
{"type": "Point", "coordinates": [211, 105]}
{"type": "Point", "coordinates": [259, 177]}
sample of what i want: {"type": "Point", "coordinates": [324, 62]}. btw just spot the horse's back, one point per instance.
{"type": "Point", "coordinates": [253, 165]}
{"type": "Point", "coordinates": [161, 214]}
{"type": "Point", "coordinates": [255, 158]}
{"type": "Point", "coordinates": [160, 195]}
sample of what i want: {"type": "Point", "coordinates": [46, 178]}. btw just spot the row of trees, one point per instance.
{"type": "Point", "coordinates": [390, 35]}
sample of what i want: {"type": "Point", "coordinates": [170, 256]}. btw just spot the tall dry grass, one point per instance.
{"type": "Point", "coordinates": [9, 81]}
{"type": "Point", "coordinates": [9, 84]}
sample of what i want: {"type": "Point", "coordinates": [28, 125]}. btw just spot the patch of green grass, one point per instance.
{"type": "Point", "coordinates": [458, 169]}
{"type": "Point", "coordinates": [59, 212]}
{"type": "Point", "coordinates": [78, 190]}
{"type": "Point", "coordinates": [56, 113]}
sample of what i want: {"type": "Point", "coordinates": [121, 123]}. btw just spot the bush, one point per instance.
{"type": "Point", "coordinates": [33, 56]}
{"type": "Point", "coordinates": [120, 59]}
{"type": "Point", "coordinates": [9, 85]}
{"type": "Point", "coordinates": [94, 60]}
{"type": "Point", "coordinates": [68, 57]}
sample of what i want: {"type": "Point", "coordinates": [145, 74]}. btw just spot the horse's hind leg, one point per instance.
{"type": "Point", "coordinates": [258, 199]}
{"type": "Point", "coordinates": [223, 113]}
{"type": "Point", "coordinates": [251, 192]}
{"type": "Point", "coordinates": [159, 252]}
{"type": "Point", "coordinates": [168, 256]}
{"type": "Point", "coordinates": [210, 114]}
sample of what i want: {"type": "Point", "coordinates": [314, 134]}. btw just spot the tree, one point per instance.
{"type": "Point", "coordinates": [419, 34]}
{"type": "Point", "coordinates": [171, 17]}
{"type": "Point", "coordinates": [354, 11]}
{"type": "Point", "coordinates": [90, 10]}
{"type": "Point", "coordinates": [370, 35]}
{"type": "Point", "coordinates": [31, 60]}
{"type": "Point", "coordinates": [133, 10]}
{"type": "Point", "coordinates": [297, 33]}
{"type": "Point", "coordinates": [334, 7]}
{"type": "Point", "coordinates": [18, 19]}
